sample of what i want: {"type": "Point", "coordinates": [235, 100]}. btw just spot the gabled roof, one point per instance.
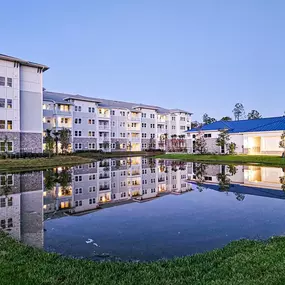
{"type": "Point", "coordinates": [23, 62]}
{"type": "Point", "coordinates": [246, 126]}
{"type": "Point", "coordinates": [62, 97]}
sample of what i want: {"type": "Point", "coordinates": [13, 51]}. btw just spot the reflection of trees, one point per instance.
{"type": "Point", "coordinates": [162, 166]}
{"type": "Point", "coordinates": [53, 176]}
{"type": "Point", "coordinates": [240, 196]}
{"type": "Point", "coordinates": [232, 170]}
{"type": "Point", "coordinates": [174, 166]}
{"type": "Point", "coordinates": [199, 169]}
{"type": "Point", "coordinates": [224, 181]}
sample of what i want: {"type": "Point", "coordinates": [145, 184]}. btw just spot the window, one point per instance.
{"type": "Point", "coordinates": [10, 201]}
{"type": "Point", "coordinates": [2, 103]}
{"type": "Point", "coordinates": [207, 135]}
{"type": "Point", "coordinates": [194, 136]}
{"type": "Point", "coordinates": [2, 202]}
{"type": "Point", "coordinates": [6, 147]}
{"type": "Point", "coordinates": [78, 203]}
{"type": "Point", "coordinates": [2, 81]}
{"type": "Point", "coordinates": [3, 224]}
{"type": "Point", "coordinates": [91, 122]}
{"type": "Point", "coordinates": [78, 178]}
{"type": "Point", "coordinates": [9, 125]}
{"type": "Point", "coordinates": [78, 191]}
{"type": "Point", "coordinates": [113, 112]}
{"type": "Point", "coordinates": [143, 135]}
{"type": "Point", "coordinates": [182, 128]}
{"type": "Point", "coordinates": [92, 189]}
{"type": "Point", "coordinates": [9, 104]}
{"type": "Point", "coordinates": [6, 180]}
{"type": "Point", "coordinates": [123, 194]}
{"type": "Point", "coordinates": [173, 118]}
{"type": "Point", "coordinates": [113, 123]}
{"type": "Point", "coordinates": [92, 201]}
{"type": "Point", "coordinates": [143, 115]}
{"type": "Point", "coordinates": [144, 191]}
{"type": "Point", "coordinates": [208, 178]}
{"type": "Point", "coordinates": [152, 190]}
{"type": "Point", "coordinates": [77, 133]}
{"type": "Point", "coordinates": [76, 121]}
{"type": "Point", "coordinates": [9, 82]}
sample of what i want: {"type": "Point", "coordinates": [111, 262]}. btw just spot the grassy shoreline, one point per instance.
{"type": "Point", "coordinates": [228, 159]}
{"type": "Point", "coordinates": [61, 160]}
{"type": "Point", "coordinates": [242, 262]}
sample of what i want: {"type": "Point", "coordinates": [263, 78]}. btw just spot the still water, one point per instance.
{"type": "Point", "coordinates": [140, 209]}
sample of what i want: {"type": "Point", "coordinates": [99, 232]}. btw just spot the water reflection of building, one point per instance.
{"type": "Point", "coordinates": [21, 206]}
{"type": "Point", "coordinates": [249, 176]}
{"type": "Point", "coordinates": [113, 181]}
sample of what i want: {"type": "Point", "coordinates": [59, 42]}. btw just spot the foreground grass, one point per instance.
{"type": "Point", "coordinates": [41, 163]}
{"type": "Point", "coordinates": [243, 262]}
{"type": "Point", "coordinates": [244, 159]}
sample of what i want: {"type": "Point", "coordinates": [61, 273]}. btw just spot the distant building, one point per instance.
{"type": "Point", "coordinates": [101, 124]}
{"type": "Point", "coordinates": [21, 100]}
{"type": "Point", "coordinates": [259, 136]}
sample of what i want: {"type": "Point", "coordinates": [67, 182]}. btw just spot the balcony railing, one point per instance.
{"type": "Point", "coordinates": [104, 164]}
{"type": "Point", "coordinates": [62, 112]}
{"type": "Point", "coordinates": [104, 176]}
{"type": "Point", "coordinates": [106, 115]}
{"type": "Point", "coordinates": [161, 179]}
{"type": "Point", "coordinates": [104, 127]}
{"type": "Point", "coordinates": [134, 118]}
{"type": "Point", "coordinates": [104, 139]}
{"type": "Point", "coordinates": [104, 188]}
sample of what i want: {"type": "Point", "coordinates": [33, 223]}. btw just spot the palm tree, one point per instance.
{"type": "Point", "coordinates": [56, 139]}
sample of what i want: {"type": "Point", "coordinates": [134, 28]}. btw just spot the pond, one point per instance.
{"type": "Point", "coordinates": [142, 209]}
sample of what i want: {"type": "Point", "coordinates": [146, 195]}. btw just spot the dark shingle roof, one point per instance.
{"type": "Point", "coordinates": [243, 126]}
{"type": "Point", "coordinates": [23, 62]}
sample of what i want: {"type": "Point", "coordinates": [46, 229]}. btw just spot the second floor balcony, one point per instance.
{"type": "Point", "coordinates": [104, 187]}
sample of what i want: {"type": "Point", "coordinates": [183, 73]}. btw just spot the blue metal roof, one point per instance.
{"type": "Point", "coordinates": [244, 126]}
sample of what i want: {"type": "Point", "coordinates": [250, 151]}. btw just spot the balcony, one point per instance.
{"type": "Point", "coordinates": [104, 127]}
{"type": "Point", "coordinates": [104, 139]}
{"type": "Point", "coordinates": [104, 164]}
{"type": "Point", "coordinates": [65, 111]}
{"type": "Point", "coordinates": [134, 118]}
{"type": "Point", "coordinates": [135, 139]}
{"type": "Point", "coordinates": [104, 188]}
{"type": "Point", "coordinates": [161, 179]}
{"type": "Point", "coordinates": [104, 176]}
{"type": "Point", "coordinates": [104, 113]}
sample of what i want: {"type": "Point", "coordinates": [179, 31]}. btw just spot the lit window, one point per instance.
{"type": "Point", "coordinates": [9, 104]}
{"type": "Point", "coordinates": [9, 125]}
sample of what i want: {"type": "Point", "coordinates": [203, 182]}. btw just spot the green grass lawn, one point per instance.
{"type": "Point", "coordinates": [243, 262]}
{"type": "Point", "coordinates": [41, 163]}
{"type": "Point", "coordinates": [236, 159]}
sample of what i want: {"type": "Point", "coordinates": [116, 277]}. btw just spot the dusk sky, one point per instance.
{"type": "Point", "coordinates": [202, 55]}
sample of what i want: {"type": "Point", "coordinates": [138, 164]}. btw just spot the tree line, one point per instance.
{"type": "Point", "coordinates": [238, 114]}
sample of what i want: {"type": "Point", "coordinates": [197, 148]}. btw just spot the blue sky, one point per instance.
{"type": "Point", "coordinates": [202, 55]}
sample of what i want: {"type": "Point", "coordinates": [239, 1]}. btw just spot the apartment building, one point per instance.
{"type": "Point", "coordinates": [113, 181]}
{"type": "Point", "coordinates": [21, 207]}
{"type": "Point", "coordinates": [21, 101]}
{"type": "Point", "coordinates": [112, 125]}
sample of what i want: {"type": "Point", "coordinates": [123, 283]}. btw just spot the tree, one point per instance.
{"type": "Point", "coordinates": [199, 169]}
{"type": "Point", "coordinates": [200, 143]}
{"type": "Point", "coordinates": [238, 111]}
{"type": "Point", "coordinates": [5, 142]}
{"type": "Point", "coordinates": [49, 140]}
{"type": "Point", "coordinates": [223, 140]}
{"type": "Point", "coordinates": [282, 143]}
{"type": "Point", "coordinates": [195, 124]}
{"type": "Point", "coordinates": [64, 138]}
{"type": "Point", "coordinates": [105, 144]}
{"type": "Point", "coordinates": [56, 140]}
{"type": "Point", "coordinates": [117, 145]}
{"type": "Point", "coordinates": [253, 115]}
{"type": "Point", "coordinates": [231, 148]}
{"type": "Point", "coordinates": [208, 120]}
{"type": "Point", "coordinates": [226, 118]}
